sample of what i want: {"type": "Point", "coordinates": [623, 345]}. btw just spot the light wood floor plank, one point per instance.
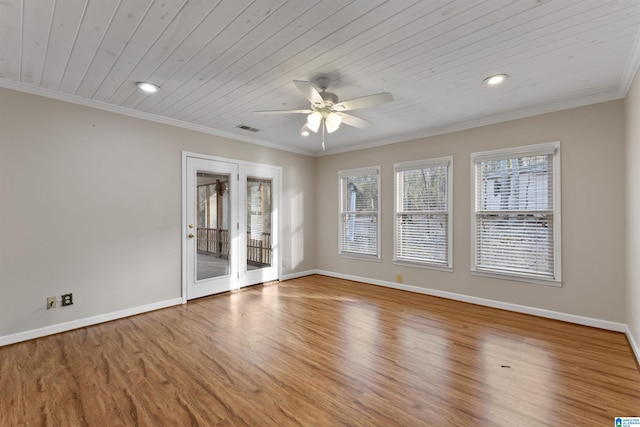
{"type": "Point", "coordinates": [321, 351]}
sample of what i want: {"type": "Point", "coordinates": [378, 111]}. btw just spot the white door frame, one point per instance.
{"type": "Point", "coordinates": [185, 221]}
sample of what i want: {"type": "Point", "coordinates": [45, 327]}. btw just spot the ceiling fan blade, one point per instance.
{"type": "Point", "coordinates": [308, 91]}
{"type": "Point", "coordinates": [364, 102]}
{"type": "Point", "coordinates": [354, 121]}
{"type": "Point", "coordinates": [284, 112]}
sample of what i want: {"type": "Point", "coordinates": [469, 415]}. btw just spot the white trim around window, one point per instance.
{"type": "Point", "coordinates": [516, 214]}
{"type": "Point", "coordinates": [359, 213]}
{"type": "Point", "coordinates": [423, 213]}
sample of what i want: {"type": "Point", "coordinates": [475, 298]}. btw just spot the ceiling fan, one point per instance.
{"type": "Point", "coordinates": [326, 113]}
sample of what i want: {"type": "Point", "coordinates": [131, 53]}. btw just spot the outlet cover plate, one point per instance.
{"type": "Point", "coordinates": [67, 299]}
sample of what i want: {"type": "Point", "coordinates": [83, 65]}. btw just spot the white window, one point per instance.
{"type": "Point", "coordinates": [423, 213]}
{"type": "Point", "coordinates": [359, 213]}
{"type": "Point", "coordinates": [515, 226]}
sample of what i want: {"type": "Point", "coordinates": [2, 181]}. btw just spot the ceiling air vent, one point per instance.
{"type": "Point", "coordinates": [249, 128]}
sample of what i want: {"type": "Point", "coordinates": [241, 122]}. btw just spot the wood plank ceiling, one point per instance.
{"type": "Point", "coordinates": [217, 61]}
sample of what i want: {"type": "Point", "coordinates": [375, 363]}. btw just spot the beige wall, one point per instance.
{"type": "Point", "coordinates": [632, 111]}
{"type": "Point", "coordinates": [593, 150]}
{"type": "Point", "coordinates": [90, 203]}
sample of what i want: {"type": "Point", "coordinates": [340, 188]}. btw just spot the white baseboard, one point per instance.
{"type": "Point", "coordinates": [298, 274]}
{"type": "Point", "coordinates": [88, 321]}
{"type": "Point", "coordinates": [634, 344]}
{"type": "Point", "coordinates": [571, 318]}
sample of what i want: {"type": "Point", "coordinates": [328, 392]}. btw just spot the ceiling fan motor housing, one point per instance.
{"type": "Point", "coordinates": [330, 99]}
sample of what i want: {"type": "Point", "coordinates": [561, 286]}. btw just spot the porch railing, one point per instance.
{"type": "Point", "coordinates": [215, 241]}
{"type": "Point", "coordinates": [259, 250]}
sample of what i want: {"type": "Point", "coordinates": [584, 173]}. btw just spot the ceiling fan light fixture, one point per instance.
{"type": "Point", "coordinates": [147, 87]}
{"type": "Point", "coordinates": [326, 112]}
{"type": "Point", "coordinates": [333, 121]}
{"type": "Point", "coordinates": [496, 79]}
{"type": "Point", "coordinates": [314, 120]}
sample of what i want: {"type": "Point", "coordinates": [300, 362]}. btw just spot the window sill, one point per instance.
{"type": "Point", "coordinates": [360, 257]}
{"type": "Point", "coordinates": [517, 278]}
{"type": "Point", "coordinates": [424, 265]}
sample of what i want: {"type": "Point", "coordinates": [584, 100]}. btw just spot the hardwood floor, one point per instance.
{"type": "Point", "coordinates": [321, 351]}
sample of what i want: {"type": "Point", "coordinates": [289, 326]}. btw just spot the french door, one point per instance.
{"type": "Point", "coordinates": [230, 225]}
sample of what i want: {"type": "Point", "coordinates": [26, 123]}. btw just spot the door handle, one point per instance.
{"type": "Point", "coordinates": [191, 236]}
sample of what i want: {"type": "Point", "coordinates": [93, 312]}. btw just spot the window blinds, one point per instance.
{"type": "Point", "coordinates": [514, 214]}
{"type": "Point", "coordinates": [422, 213]}
{"type": "Point", "coordinates": [359, 212]}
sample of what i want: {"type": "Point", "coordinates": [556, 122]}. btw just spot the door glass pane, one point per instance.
{"type": "Point", "coordinates": [213, 225]}
{"type": "Point", "coordinates": [258, 223]}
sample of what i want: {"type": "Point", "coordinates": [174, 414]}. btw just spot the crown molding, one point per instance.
{"type": "Point", "coordinates": [631, 69]}
{"type": "Point", "coordinates": [549, 107]}
{"type": "Point", "coordinates": [552, 107]}
{"type": "Point", "coordinates": [74, 99]}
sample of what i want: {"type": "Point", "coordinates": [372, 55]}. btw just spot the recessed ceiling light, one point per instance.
{"type": "Point", "coordinates": [147, 87]}
{"type": "Point", "coordinates": [496, 79]}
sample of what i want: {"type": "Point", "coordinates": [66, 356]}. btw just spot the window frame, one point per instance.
{"type": "Point", "coordinates": [352, 173]}
{"type": "Point", "coordinates": [421, 164]}
{"type": "Point", "coordinates": [552, 148]}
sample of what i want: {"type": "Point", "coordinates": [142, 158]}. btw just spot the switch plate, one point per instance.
{"type": "Point", "coordinates": [67, 299]}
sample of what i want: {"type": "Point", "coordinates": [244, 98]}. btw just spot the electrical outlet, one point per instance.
{"type": "Point", "coordinates": [51, 302]}
{"type": "Point", "coordinates": [399, 278]}
{"type": "Point", "coordinates": [67, 299]}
